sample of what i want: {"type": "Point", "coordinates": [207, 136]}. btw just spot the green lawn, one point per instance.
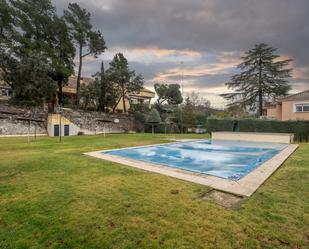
{"type": "Point", "coordinates": [52, 196]}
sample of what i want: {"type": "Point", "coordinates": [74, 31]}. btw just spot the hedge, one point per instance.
{"type": "Point", "coordinates": [220, 124]}
{"type": "Point", "coordinates": [299, 128]}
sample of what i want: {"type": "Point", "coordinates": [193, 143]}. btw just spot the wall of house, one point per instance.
{"type": "Point", "coordinates": [275, 112]}
{"type": "Point", "coordinates": [143, 96]}
{"type": "Point", "coordinates": [288, 112]}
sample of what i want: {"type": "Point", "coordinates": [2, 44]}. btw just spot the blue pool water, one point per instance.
{"type": "Point", "coordinates": [226, 159]}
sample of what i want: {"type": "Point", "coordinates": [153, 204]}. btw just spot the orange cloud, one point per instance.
{"type": "Point", "coordinates": [224, 64]}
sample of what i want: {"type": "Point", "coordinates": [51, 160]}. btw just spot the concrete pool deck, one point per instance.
{"type": "Point", "coordinates": [245, 186]}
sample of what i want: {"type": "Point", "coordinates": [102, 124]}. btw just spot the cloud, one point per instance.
{"type": "Point", "coordinates": [209, 36]}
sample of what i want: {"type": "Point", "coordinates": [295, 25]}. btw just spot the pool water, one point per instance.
{"type": "Point", "coordinates": [225, 159]}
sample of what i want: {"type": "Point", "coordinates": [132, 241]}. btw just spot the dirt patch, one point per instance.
{"type": "Point", "coordinates": [224, 199]}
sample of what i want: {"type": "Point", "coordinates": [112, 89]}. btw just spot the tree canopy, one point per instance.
{"type": "Point", "coordinates": [126, 80]}
{"type": "Point", "coordinates": [169, 93]}
{"type": "Point", "coordinates": [35, 43]}
{"type": "Point", "coordinates": [88, 41]}
{"type": "Point", "coordinates": [263, 76]}
{"type": "Point", "coordinates": [108, 93]}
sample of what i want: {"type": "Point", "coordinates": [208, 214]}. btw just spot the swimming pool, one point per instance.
{"type": "Point", "coordinates": [225, 159]}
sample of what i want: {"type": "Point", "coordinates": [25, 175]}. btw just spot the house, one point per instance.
{"type": "Point", "coordinates": [292, 107]}
{"type": "Point", "coordinates": [143, 97]}
{"type": "Point", "coordinates": [69, 90]}
{"type": "Point", "coordinates": [69, 93]}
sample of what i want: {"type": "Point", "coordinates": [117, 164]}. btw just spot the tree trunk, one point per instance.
{"type": "Point", "coordinates": [79, 74]}
{"type": "Point", "coordinates": [123, 99]}
{"type": "Point", "coordinates": [260, 93]}
{"type": "Point", "coordinates": [115, 106]}
{"type": "Point", "coordinates": [102, 100]}
{"type": "Point", "coordinates": [60, 94]}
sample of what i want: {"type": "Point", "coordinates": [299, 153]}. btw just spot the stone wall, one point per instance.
{"type": "Point", "coordinates": [15, 121]}
{"type": "Point", "coordinates": [97, 122]}
{"type": "Point", "coordinates": [11, 126]}
{"type": "Point", "coordinates": [22, 121]}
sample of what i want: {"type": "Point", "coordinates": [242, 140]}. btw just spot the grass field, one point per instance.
{"type": "Point", "coordinates": [52, 196]}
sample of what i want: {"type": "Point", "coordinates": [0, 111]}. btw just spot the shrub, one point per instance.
{"type": "Point", "coordinates": [220, 124]}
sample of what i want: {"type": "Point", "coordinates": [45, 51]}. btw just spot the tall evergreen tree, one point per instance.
{"type": "Point", "coordinates": [88, 42]}
{"type": "Point", "coordinates": [6, 22]}
{"type": "Point", "coordinates": [36, 36]}
{"type": "Point", "coordinates": [62, 55]}
{"type": "Point", "coordinates": [7, 32]}
{"type": "Point", "coordinates": [108, 93]}
{"type": "Point", "coordinates": [32, 85]}
{"type": "Point", "coordinates": [31, 51]}
{"type": "Point", "coordinates": [125, 79]}
{"type": "Point", "coordinates": [262, 76]}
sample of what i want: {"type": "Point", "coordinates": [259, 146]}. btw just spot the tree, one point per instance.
{"type": "Point", "coordinates": [125, 79]}
{"type": "Point", "coordinates": [262, 76]}
{"type": "Point", "coordinates": [62, 55]}
{"type": "Point", "coordinates": [153, 118]}
{"type": "Point", "coordinates": [198, 101]}
{"type": "Point", "coordinates": [107, 91]}
{"type": "Point", "coordinates": [6, 22]}
{"type": "Point", "coordinates": [169, 93]}
{"type": "Point", "coordinates": [27, 67]}
{"type": "Point", "coordinates": [32, 85]}
{"type": "Point", "coordinates": [89, 94]}
{"type": "Point", "coordinates": [89, 42]}
{"type": "Point", "coordinates": [188, 113]}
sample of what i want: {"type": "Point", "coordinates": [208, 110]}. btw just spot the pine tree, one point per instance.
{"type": "Point", "coordinates": [30, 55]}
{"type": "Point", "coordinates": [88, 42]}
{"type": "Point", "coordinates": [62, 55]}
{"type": "Point", "coordinates": [125, 79]}
{"type": "Point", "coordinates": [108, 94]}
{"type": "Point", "coordinates": [262, 77]}
{"type": "Point", "coordinates": [32, 85]}
{"type": "Point", "coordinates": [169, 93]}
{"type": "Point", "coordinates": [33, 33]}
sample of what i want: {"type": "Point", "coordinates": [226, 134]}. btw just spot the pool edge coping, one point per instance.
{"type": "Point", "coordinates": [245, 186]}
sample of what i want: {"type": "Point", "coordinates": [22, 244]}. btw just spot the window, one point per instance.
{"type": "Point", "coordinates": [302, 107]}
{"type": "Point", "coordinates": [134, 101]}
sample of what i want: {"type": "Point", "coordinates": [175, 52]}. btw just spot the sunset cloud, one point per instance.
{"type": "Point", "coordinates": [208, 36]}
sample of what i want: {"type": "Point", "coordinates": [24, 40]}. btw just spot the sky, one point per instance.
{"type": "Point", "coordinates": [199, 41]}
